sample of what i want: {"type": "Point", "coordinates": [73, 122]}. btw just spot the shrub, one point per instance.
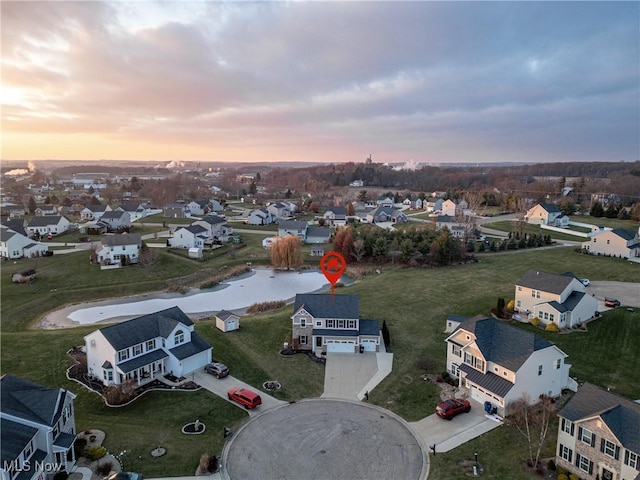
{"type": "Point", "coordinates": [562, 471]}
{"type": "Point", "coordinates": [552, 327]}
{"type": "Point", "coordinates": [266, 306]}
{"type": "Point", "coordinates": [511, 305]}
{"type": "Point", "coordinates": [104, 468]}
{"type": "Point", "coordinates": [79, 445]}
{"type": "Point", "coordinates": [94, 453]}
{"type": "Point", "coordinates": [551, 465]}
{"type": "Point", "coordinates": [573, 476]}
{"type": "Point", "coordinates": [535, 321]}
{"type": "Point", "coordinates": [562, 476]}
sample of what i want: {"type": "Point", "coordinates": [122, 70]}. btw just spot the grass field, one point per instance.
{"type": "Point", "coordinates": [413, 302]}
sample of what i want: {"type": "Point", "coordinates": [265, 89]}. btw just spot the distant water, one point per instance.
{"type": "Point", "coordinates": [239, 293]}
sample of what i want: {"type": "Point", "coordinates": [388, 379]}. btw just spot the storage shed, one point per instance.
{"type": "Point", "coordinates": [24, 276]}
{"type": "Point", "coordinates": [195, 252]}
{"type": "Point", "coordinates": [227, 321]}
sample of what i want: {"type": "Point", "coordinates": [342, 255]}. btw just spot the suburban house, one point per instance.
{"type": "Point", "coordinates": [335, 217]}
{"type": "Point", "coordinates": [119, 249]}
{"type": "Point", "coordinates": [385, 201]}
{"type": "Point", "coordinates": [325, 323]}
{"type": "Point", "coordinates": [261, 216]}
{"type": "Point", "coordinates": [553, 298]}
{"type": "Point", "coordinates": [94, 212]}
{"type": "Point", "coordinates": [192, 236]}
{"type": "Point", "coordinates": [199, 207]}
{"type": "Point", "coordinates": [49, 224]}
{"type": "Point", "coordinates": [316, 235]}
{"type": "Point", "coordinates": [176, 210]}
{"type": "Point", "coordinates": [16, 245]}
{"type": "Point", "coordinates": [14, 211]}
{"type": "Point", "coordinates": [293, 227]}
{"type": "Point", "coordinates": [216, 227]}
{"type": "Point", "coordinates": [44, 210]}
{"type": "Point", "coordinates": [116, 220]}
{"type": "Point", "coordinates": [618, 242]}
{"type": "Point", "coordinates": [547, 214]}
{"type": "Point", "coordinates": [135, 210]}
{"type": "Point", "coordinates": [451, 208]}
{"type": "Point", "coordinates": [147, 347]}
{"type": "Point", "coordinates": [598, 435]}
{"type": "Point", "coordinates": [499, 363]}
{"type": "Point", "coordinates": [38, 429]}
{"type": "Point", "coordinates": [386, 214]}
{"type": "Point", "coordinates": [281, 210]}
{"type": "Point", "coordinates": [227, 321]}
{"type": "Point", "coordinates": [457, 229]}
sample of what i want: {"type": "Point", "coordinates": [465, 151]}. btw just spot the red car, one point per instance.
{"type": "Point", "coordinates": [244, 397]}
{"type": "Point", "coordinates": [450, 408]}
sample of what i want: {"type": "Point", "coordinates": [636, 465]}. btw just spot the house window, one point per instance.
{"type": "Point", "coordinates": [631, 459]}
{"type": "Point", "coordinates": [608, 242]}
{"type": "Point", "coordinates": [351, 324]}
{"type": "Point", "coordinates": [303, 322]}
{"type": "Point", "coordinates": [519, 303]}
{"type": "Point", "coordinates": [551, 317]}
{"type": "Point", "coordinates": [565, 453]}
{"type": "Point", "coordinates": [567, 426]}
{"type": "Point", "coordinates": [340, 323]}
{"type": "Point", "coordinates": [28, 450]}
{"type": "Point", "coordinates": [123, 355]}
{"type": "Point", "coordinates": [584, 464]}
{"type": "Point", "coordinates": [610, 449]}
{"type": "Point", "coordinates": [456, 350]}
{"type": "Point", "coordinates": [151, 344]}
{"type": "Point", "coordinates": [586, 436]}
{"type": "Point", "coordinates": [107, 375]}
{"type": "Point", "coordinates": [539, 370]}
{"type": "Point", "coordinates": [558, 363]}
{"type": "Point", "coordinates": [178, 337]}
{"type": "Point", "coordinates": [468, 358]}
{"type": "Point", "coordinates": [303, 339]}
{"type": "Point", "coordinates": [331, 323]}
{"type": "Point", "coordinates": [454, 369]}
{"type": "Point", "coordinates": [318, 323]}
{"type": "Point", "coordinates": [137, 349]}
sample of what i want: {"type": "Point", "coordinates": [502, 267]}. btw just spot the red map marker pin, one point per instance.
{"type": "Point", "coordinates": [332, 265]}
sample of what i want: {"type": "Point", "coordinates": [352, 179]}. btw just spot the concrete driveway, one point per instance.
{"type": "Point", "coordinates": [628, 293]}
{"type": "Point", "coordinates": [449, 434]}
{"type": "Point", "coordinates": [348, 376]}
{"type": "Point", "coordinates": [222, 385]}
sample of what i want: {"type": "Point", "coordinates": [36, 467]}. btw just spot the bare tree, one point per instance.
{"type": "Point", "coordinates": [287, 252]}
{"type": "Point", "coordinates": [532, 421]}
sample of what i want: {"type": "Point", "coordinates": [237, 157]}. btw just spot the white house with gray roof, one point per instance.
{"type": "Point", "coordinates": [599, 435]}
{"type": "Point", "coordinates": [50, 224]}
{"type": "Point", "coordinates": [119, 249]}
{"type": "Point", "coordinates": [147, 347]}
{"type": "Point", "coordinates": [14, 244]}
{"type": "Point", "coordinates": [546, 214]}
{"type": "Point", "coordinates": [216, 226]}
{"type": "Point", "coordinates": [192, 236]}
{"type": "Point", "coordinates": [38, 429]}
{"type": "Point", "coordinates": [557, 298]}
{"type": "Point", "coordinates": [324, 323]}
{"type": "Point", "coordinates": [499, 363]}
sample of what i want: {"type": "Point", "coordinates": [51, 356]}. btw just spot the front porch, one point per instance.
{"type": "Point", "coordinates": [144, 369]}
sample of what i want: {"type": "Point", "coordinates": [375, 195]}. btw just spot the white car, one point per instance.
{"type": "Point", "coordinates": [585, 282]}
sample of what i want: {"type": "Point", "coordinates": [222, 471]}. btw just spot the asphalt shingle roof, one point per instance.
{"type": "Point", "coordinates": [550, 207]}
{"type": "Point", "coordinates": [44, 221]}
{"type": "Point", "coordinates": [318, 232]}
{"type": "Point", "coordinates": [292, 225]}
{"type": "Point", "coordinates": [140, 329]}
{"type": "Point", "coordinates": [195, 346]}
{"type": "Point", "coordinates": [213, 219]}
{"type": "Point", "coordinates": [24, 399]}
{"type": "Point", "coordinates": [546, 282]}
{"type": "Point", "coordinates": [624, 233]}
{"type": "Point", "coordinates": [621, 415]}
{"type": "Point", "coordinates": [14, 437]}
{"type": "Point", "coordinates": [121, 239]}
{"type": "Point", "coordinates": [488, 381]}
{"type": "Point", "coordinates": [328, 306]}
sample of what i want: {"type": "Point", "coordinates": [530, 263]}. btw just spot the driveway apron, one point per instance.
{"type": "Point", "coordinates": [346, 374]}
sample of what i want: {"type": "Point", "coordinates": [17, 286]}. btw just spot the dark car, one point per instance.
{"type": "Point", "coordinates": [450, 408]}
{"type": "Point", "coordinates": [611, 302]}
{"type": "Point", "coordinates": [218, 369]}
{"type": "Point", "coordinates": [123, 476]}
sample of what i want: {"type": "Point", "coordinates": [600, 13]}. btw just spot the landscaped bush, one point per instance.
{"type": "Point", "coordinates": [562, 476]}
{"type": "Point", "coordinates": [552, 327]}
{"type": "Point", "coordinates": [104, 468]}
{"type": "Point", "coordinates": [94, 453]}
{"type": "Point", "coordinates": [562, 471]}
{"type": "Point", "coordinates": [266, 306]}
{"type": "Point", "coordinates": [535, 321]}
{"type": "Point", "coordinates": [573, 476]}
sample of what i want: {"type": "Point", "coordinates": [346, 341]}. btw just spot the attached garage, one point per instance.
{"type": "Point", "coordinates": [341, 346]}
{"type": "Point", "coordinates": [369, 345]}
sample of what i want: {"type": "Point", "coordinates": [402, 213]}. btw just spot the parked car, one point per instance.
{"type": "Point", "coordinates": [586, 282]}
{"type": "Point", "coordinates": [218, 369]}
{"type": "Point", "coordinates": [244, 397]}
{"type": "Point", "coordinates": [450, 408]}
{"type": "Point", "coordinates": [611, 302]}
{"type": "Point", "coordinates": [124, 476]}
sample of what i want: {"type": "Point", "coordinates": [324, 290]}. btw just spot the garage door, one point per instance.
{"type": "Point", "coordinates": [369, 345]}
{"type": "Point", "coordinates": [232, 324]}
{"type": "Point", "coordinates": [341, 346]}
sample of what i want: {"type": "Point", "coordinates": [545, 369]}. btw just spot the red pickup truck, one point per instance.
{"type": "Point", "coordinates": [450, 408]}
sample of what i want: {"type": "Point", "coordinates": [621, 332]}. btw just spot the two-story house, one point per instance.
{"type": "Point", "coordinates": [453, 208]}
{"type": "Point", "coordinates": [49, 224]}
{"type": "Point", "coordinates": [192, 236]}
{"type": "Point", "coordinates": [38, 430]}
{"type": "Point", "coordinates": [456, 228]}
{"type": "Point", "coordinates": [599, 435]}
{"type": "Point", "coordinates": [280, 210]}
{"type": "Point", "coordinates": [617, 242]}
{"type": "Point", "coordinates": [325, 323]}
{"type": "Point", "coordinates": [146, 347]}
{"type": "Point", "coordinates": [45, 210]}
{"type": "Point", "coordinates": [216, 226]}
{"type": "Point", "coordinates": [335, 216]}
{"type": "Point", "coordinates": [558, 298]}
{"type": "Point", "coordinates": [293, 227]}
{"type": "Point", "coordinates": [499, 363]}
{"type": "Point", "coordinates": [261, 216]}
{"type": "Point", "coordinates": [386, 214]}
{"type": "Point", "coordinates": [123, 249]}
{"type": "Point", "coordinates": [94, 212]}
{"type": "Point", "coordinates": [115, 220]}
{"type": "Point", "coordinates": [17, 245]}
{"type": "Point", "coordinates": [135, 210]}
{"type": "Point", "coordinates": [546, 214]}
{"type": "Point", "coordinates": [176, 210]}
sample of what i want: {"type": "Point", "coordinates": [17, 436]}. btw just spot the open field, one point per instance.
{"type": "Point", "coordinates": [606, 222]}
{"type": "Point", "coordinates": [414, 303]}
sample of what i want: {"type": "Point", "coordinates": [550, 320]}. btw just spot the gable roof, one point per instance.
{"type": "Point", "coordinates": [550, 207]}
{"type": "Point", "coordinates": [195, 229]}
{"type": "Point", "coordinates": [319, 232]}
{"type": "Point", "coordinates": [213, 219]}
{"type": "Point", "coordinates": [337, 210]}
{"type": "Point", "coordinates": [502, 343]}
{"type": "Point", "coordinates": [624, 233]}
{"type": "Point", "coordinates": [328, 306]}
{"type": "Point", "coordinates": [292, 225]}
{"type": "Point", "coordinates": [27, 400]}
{"type": "Point", "coordinates": [225, 314]}
{"type": "Point", "coordinates": [547, 282]}
{"type": "Point", "coordinates": [14, 437]}
{"type": "Point", "coordinates": [121, 239]}
{"type": "Point", "coordinates": [140, 329]}
{"type": "Point", "coordinates": [115, 214]}
{"type": "Point", "coordinates": [621, 415]}
{"type": "Point", "coordinates": [17, 225]}
{"type": "Point", "coordinates": [570, 303]}
{"type": "Point", "coordinates": [44, 221]}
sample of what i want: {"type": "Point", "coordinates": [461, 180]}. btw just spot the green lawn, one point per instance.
{"type": "Point", "coordinates": [413, 302]}
{"type": "Point", "coordinates": [606, 222]}
{"type": "Point", "coordinates": [512, 226]}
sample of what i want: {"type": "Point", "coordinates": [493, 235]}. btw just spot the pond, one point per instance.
{"type": "Point", "coordinates": [237, 294]}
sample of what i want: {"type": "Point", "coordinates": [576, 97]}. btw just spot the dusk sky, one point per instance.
{"type": "Point", "coordinates": [321, 81]}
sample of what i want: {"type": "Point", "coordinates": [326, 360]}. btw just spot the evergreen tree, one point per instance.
{"type": "Point", "coordinates": [596, 210]}
{"type": "Point", "coordinates": [385, 334]}
{"type": "Point", "coordinates": [32, 205]}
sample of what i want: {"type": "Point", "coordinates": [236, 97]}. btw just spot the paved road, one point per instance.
{"type": "Point", "coordinates": [628, 293]}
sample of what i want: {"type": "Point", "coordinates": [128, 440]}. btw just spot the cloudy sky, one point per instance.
{"type": "Point", "coordinates": [321, 81]}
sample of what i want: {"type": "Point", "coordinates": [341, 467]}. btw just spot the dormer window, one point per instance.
{"type": "Point", "coordinates": [179, 337]}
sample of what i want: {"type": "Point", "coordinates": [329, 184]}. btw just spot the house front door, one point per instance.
{"type": "Point", "coordinates": [607, 475]}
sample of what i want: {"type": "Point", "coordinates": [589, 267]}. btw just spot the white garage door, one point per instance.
{"type": "Point", "coordinates": [341, 346]}
{"type": "Point", "coordinates": [232, 325]}
{"type": "Point", "coordinates": [369, 345]}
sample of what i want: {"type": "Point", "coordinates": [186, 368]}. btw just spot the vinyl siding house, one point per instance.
{"type": "Point", "coordinates": [546, 214]}
{"type": "Point", "coordinates": [176, 210]}
{"type": "Point", "coordinates": [599, 435]}
{"type": "Point", "coordinates": [144, 348]}
{"type": "Point", "coordinates": [16, 245]}
{"type": "Point", "coordinates": [499, 363]}
{"type": "Point", "coordinates": [553, 298]}
{"type": "Point", "coordinates": [123, 249]}
{"type": "Point", "coordinates": [457, 229]}
{"type": "Point", "coordinates": [335, 217]}
{"type": "Point", "coordinates": [94, 212]}
{"type": "Point", "coordinates": [331, 324]}
{"type": "Point", "coordinates": [38, 430]}
{"type": "Point", "coordinates": [116, 220]}
{"type": "Point", "coordinates": [135, 210]}
{"type": "Point", "coordinates": [618, 242]}
{"type": "Point", "coordinates": [216, 227]}
{"type": "Point", "coordinates": [192, 236]}
{"type": "Point", "coordinates": [261, 216]}
{"type": "Point", "coordinates": [293, 227]}
{"type": "Point", "coordinates": [280, 210]}
{"type": "Point", "coordinates": [44, 210]}
{"type": "Point", "coordinates": [386, 214]}
{"type": "Point", "coordinates": [53, 224]}
{"type": "Point", "coordinates": [199, 207]}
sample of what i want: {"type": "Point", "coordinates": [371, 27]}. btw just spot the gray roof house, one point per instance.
{"type": "Point", "coordinates": [599, 435]}
{"type": "Point", "coordinates": [116, 219]}
{"type": "Point", "coordinates": [38, 429]}
{"type": "Point", "coordinates": [325, 323]}
{"type": "Point", "coordinates": [499, 363]}
{"type": "Point", "coordinates": [386, 214]}
{"type": "Point", "coordinates": [144, 348]}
